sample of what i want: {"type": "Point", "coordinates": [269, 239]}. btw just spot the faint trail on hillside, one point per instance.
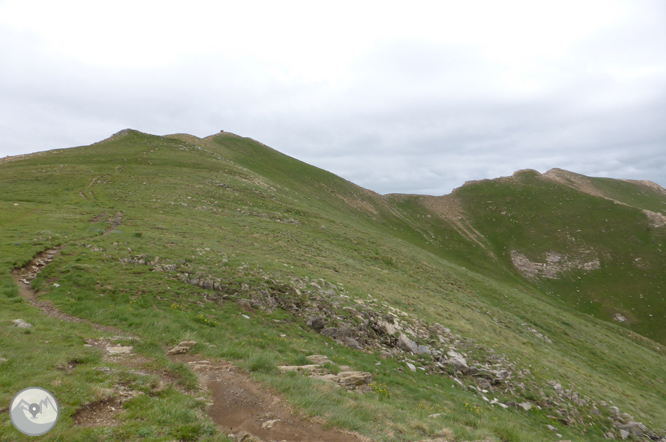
{"type": "Point", "coordinates": [115, 222]}
{"type": "Point", "coordinates": [23, 276]}
{"type": "Point", "coordinates": [28, 272]}
{"type": "Point", "coordinates": [449, 208]}
{"type": "Point", "coordinates": [241, 404]}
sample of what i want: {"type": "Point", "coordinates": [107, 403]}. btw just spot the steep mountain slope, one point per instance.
{"type": "Point", "coordinates": [591, 243]}
{"type": "Point", "coordinates": [264, 260]}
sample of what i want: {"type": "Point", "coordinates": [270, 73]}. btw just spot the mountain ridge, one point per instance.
{"type": "Point", "coordinates": [263, 260]}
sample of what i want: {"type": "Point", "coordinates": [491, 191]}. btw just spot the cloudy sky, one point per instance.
{"type": "Point", "coordinates": [396, 98]}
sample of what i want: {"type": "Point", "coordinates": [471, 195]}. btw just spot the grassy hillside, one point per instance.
{"type": "Point", "coordinates": [535, 215]}
{"type": "Point", "coordinates": [139, 218]}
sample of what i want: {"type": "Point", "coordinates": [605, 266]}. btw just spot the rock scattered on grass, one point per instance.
{"type": "Point", "coordinates": [119, 349]}
{"type": "Point", "coordinates": [374, 325]}
{"type": "Point", "coordinates": [525, 406]}
{"type": "Point", "coordinates": [20, 323]}
{"type": "Point", "coordinates": [349, 379]}
{"type": "Point", "coordinates": [286, 368]}
{"type": "Point", "coordinates": [319, 359]}
{"type": "Point", "coordinates": [182, 347]}
{"type": "Point", "coordinates": [406, 344]}
{"type": "Point", "coordinates": [459, 361]}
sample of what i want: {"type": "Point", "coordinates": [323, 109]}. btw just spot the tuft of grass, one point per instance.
{"type": "Point", "coordinates": [300, 359]}
{"type": "Point", "coordinates": [261, 362]}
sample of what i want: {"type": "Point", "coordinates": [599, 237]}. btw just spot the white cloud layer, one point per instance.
{"type": "Point", "coordinates": [402, 99]}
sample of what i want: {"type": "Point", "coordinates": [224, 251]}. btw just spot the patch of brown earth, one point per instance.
{"type": "Point", "coordinates": [649, 184]}
{"type": "Point", "coordinates": [99, 217]}
{"type": "Point", "coordinates": [99, 414]}
{"type": "Point", "coordinates": [94, 179]}
{"type": "Point", "coordinates": [586, 185]}
{"type": "Point", "coordinates": [449, 208]}
{"type": "Point", "coordinates": [241, 404]}
{"type": "Point", "coordinates": [574, 180]}
{"type": "Point", "coordinates": [103, 412]}
{"type": "Point", "coordinates": [115, 222]}
{"type": "Point", "coordinates": [353, 201]}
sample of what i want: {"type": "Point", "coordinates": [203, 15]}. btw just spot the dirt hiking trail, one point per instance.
{"type": "Point", "coordinates": [240, 405]}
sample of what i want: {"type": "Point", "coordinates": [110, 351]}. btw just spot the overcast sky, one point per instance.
{"type": "Point", "coordinates": [398, 97]}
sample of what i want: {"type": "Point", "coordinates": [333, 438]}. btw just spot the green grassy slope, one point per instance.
{"type": "Point", "coordinates": [534, 215]}
{"type": "Point", "coordinates": [233, 209]}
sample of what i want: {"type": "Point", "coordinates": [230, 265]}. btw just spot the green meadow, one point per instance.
{"type": "Point", "coordinates": [233, 209]}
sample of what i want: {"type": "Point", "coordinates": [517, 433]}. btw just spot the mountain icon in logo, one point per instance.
{"type": "Point", "coordinates": [34, 411]}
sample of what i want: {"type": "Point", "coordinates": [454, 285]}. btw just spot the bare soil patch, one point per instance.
{"type": "Point", "coordinates": [99, 217]}
{"type": "Point", "coordinates": [115, 222]}
{"type": "Point", "coordinates": [449, 208]}
{"type": "Point", "coordinates": [242, 404]}
{"type": "Point", "coordinates": [99, 414]}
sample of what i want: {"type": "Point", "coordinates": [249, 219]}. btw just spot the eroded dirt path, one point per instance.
{"type": "Point", "coordinates": [240, 404]}
{"type": "Point", "coordinates": [27, 273]}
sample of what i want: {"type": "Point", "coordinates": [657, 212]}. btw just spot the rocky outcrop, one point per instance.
{"type": "Point", "coordinates": [319, 359]}
{"type": "Point", "coordinates": [458, 361]}
{"type": "Point", "coordinates": [352, 380]}
{"type": "Point", "coordinates": [556, 263]}
{"type": "Point", "coordinates": [655, 219]}
{"type": "Point", "coordinates": [316, 322]}
{"type": "Point", "coordinates": [348, 379]}
{"type": "Point", "coordinates": [371, 325]}
{"type": "Point", "coordinates": [406, 344]}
